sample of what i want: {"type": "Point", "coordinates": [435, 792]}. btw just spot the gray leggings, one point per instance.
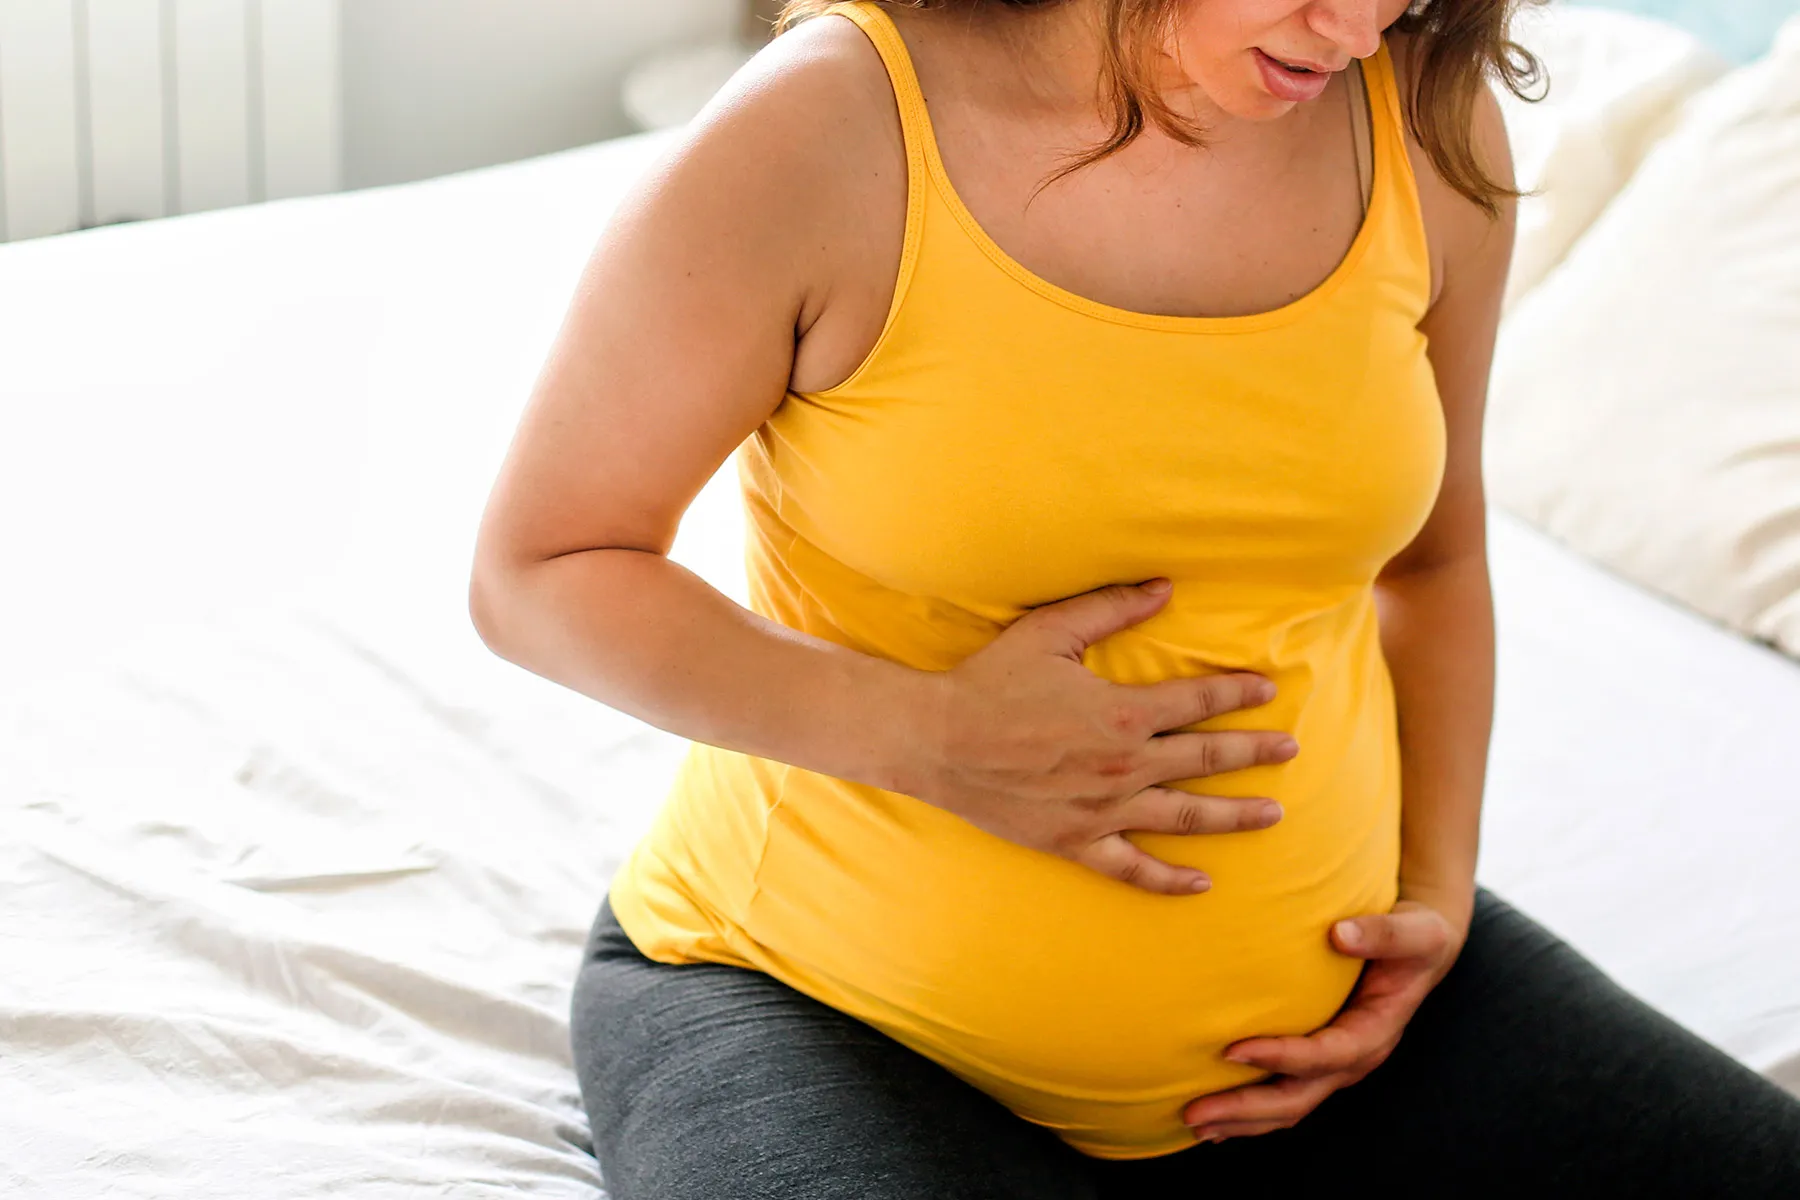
{"type": "Point", "coordinates": [1526, 1072]}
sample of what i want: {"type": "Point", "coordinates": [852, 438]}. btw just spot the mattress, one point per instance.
{"type": "Point", "coordinates": [294, 873]}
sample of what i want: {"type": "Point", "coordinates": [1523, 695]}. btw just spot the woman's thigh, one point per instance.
{"type": "Point", "coordinates": [1527, 1071]}
{"type": "Point", "coordinates": [710, 1082]}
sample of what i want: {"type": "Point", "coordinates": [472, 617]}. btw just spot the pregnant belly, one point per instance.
{"type": "Point", "coordinates": [1083, 1004]}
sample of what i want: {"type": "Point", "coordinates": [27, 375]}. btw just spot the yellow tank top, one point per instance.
{"type": "Point", "coordinates": [1006, 444]}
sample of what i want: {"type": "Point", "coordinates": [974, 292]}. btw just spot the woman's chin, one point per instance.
{"type": "Point", "coordinates": [1245, 98]}
{"type": "Point", "coordinates": [1255, 104]}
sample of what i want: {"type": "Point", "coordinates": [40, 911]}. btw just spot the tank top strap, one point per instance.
{"type": "Point", "coordinates": [915, 131]}
{"type": "Point", "coordinates": [1394, 207]}
{"type": "Point", "coordinates": [1396, 188]}
{"type": "Point", "coordinates": [881, 30]}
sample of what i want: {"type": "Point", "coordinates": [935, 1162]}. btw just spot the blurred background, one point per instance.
{"type": "Point", "coordinates": [294, 870]}
{"type": "Point", "coordinates": [115, 110]}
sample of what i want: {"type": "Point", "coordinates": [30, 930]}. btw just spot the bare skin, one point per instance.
{"type": "Point", "coordinates": [760, 256]}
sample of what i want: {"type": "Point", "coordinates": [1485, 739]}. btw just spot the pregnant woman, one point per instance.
{"type": "Point", "coordinates": [1086, 805]}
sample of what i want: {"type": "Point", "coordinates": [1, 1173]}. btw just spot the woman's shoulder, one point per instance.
{"type": "Point", "coordinates": [1486, 123]}
{"type": "Point", "coordinates": [788, 190]}
{"type": "Point", "coordinates": [795, 158]}
{"type": "Point", "coordinates": [1454, 223]}
{"type": "Point", "coordinates": [807, 104]}
{"type": "Point", "coordinates": [809, 110]}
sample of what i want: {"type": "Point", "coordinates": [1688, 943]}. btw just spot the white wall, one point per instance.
{"type": "Point", "coordinates": [120, 110]}
{"type": "Point", "coordinates": [431, 86]}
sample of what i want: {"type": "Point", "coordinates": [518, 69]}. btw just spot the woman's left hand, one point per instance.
{"type": "Point", "coordinates": [1410, 949]}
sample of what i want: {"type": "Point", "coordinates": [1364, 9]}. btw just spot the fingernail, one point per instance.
{"type": "Point", "coordinates": [1265, 691]}
{"type": "Point", "coordinates": [1200, 885]}
{"type": "Point", "coordinates": [1287, 746]}
{"type": "Point", "coordinates": [1238, 1056]}
{"type": "Point", "coordinates": [1157, 586]}
{"type": "Point", "coordinates": [1271, 813]}
{"type": "Point", "coordinates": [1349, 934]}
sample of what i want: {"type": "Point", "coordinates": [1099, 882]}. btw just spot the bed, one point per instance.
{"type": "Point", "coordinates": [294, 872]}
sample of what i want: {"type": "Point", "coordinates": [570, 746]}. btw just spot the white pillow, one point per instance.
{"type": "Point", "coordinates": [1645, 405]}
{"type": "Point", "coordinates": [1617, 82]}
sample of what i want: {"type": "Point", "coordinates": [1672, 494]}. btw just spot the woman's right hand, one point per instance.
{"type": "Point", "coordinates": [1033, 747]}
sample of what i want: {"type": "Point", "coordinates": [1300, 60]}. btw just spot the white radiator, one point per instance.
{"type": "Point", "coordinates": [118, 110]}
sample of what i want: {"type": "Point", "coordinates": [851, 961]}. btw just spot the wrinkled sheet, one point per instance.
{"type": "Point", "coordinates": [294, 873]}
{"type": "Point", "coordinates": [290, 906]}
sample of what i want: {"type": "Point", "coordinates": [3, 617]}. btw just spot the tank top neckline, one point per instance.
{"type": "Point", "coordinates": [1387, 170]}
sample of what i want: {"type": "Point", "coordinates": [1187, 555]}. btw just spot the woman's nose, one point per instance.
{"type": "Point", "coordinates": [1353, 24]}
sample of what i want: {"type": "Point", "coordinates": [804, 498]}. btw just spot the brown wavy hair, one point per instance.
{"type": "Point", "coordinates": [1459, 44]}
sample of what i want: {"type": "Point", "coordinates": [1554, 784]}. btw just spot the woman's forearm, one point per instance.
{"type": "Point", "coordinates": [1437, 632]}
{"type": "Point", "coordinates": [645, 635]}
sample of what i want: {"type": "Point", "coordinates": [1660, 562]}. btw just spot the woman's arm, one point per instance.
{"type": "Point", "coordinates": [1434, 598]}
{"type": "Point", "coordinates": [1437, 632]}
{"type": "Point", "coordinates": [679, 343]}
{"type": "Point", "coordinates": [705, 300]}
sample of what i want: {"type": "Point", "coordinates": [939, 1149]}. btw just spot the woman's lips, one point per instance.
{"type": "Point", "coordinates": [1284, 84]}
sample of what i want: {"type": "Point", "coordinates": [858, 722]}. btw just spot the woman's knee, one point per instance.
{"type": "Point", "coordinates": [717, 1082]}
{"type": "Point", "coordinates": [1528, 1057]}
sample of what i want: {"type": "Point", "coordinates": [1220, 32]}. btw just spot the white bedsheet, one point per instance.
{"type": "Point", "coordinates": [294, 873]}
